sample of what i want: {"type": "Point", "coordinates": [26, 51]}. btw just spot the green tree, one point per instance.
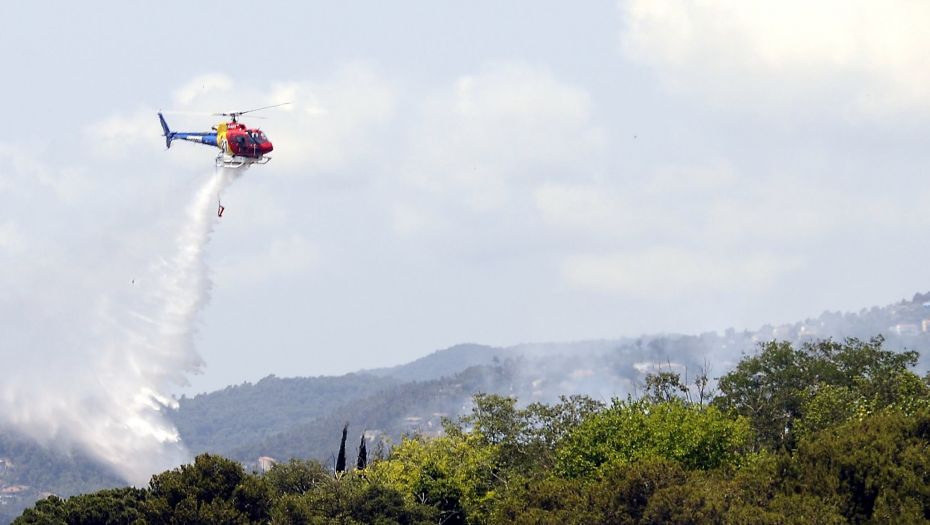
{"type": "Point", "coordinates": [773, 387]}
{"type": "Point", "coordinates": [664, 385]}
{"type": "Point", "coordinates": [351, 499]}
{"type": "Point", "coordinates": [769, 388]}
{"type": "Point", "coordinates": [628, 431]}
{"type": "Point", "coordinates": [545, 499]}
{"type": "Point", "coordinates": [874, 470]}
{"type": "Point", "coordinates": [105, 507]}
{"type": "Point", "coordinates": [622, 491]}
{"type": "Point", "coordinates": [296, 476]}
{"type": "Point", "coordinates": [435, 488]}
{"type": "Point", "coordinates": [211, 490]}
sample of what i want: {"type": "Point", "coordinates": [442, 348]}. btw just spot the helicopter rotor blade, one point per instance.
{"type": "Point", "coordinates": [265, 107]}
{"type": "Point", "coordinates": [234, 115]}
{"type": "Point", "coordinates": [183, 112]}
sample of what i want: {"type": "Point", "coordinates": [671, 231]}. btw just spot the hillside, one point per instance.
{"type": "Point", "coordinates": [413, 397]}
{"type": "Point", "coordinates": [224, 420]}
{"type": "Point", "coordinates": [415, 407]}
{"type": "Point", "coordinates": [303, 417]}
{"type": "Point", "coordinates": [441, 363]}
{"type": "Point", "coordinates": [29, 471]}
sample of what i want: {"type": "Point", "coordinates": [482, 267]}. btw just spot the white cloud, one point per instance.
{"type": "Point", "coordinates": [667, 271]}
{"type": "Point", "coordinates": [673, 202]}
{"type": "Point", "coordinates": [408, 220]}
{"type": "Point", "coordinates": [24, 169]}
{"type": "Point", "coordinates": [120, 136]}
{"type": "Point", "coordinates": [480, 145]}
{"type": "Point", "coordinates": [510, 121]}
{"type": "Point", "coordinates": [11, 240]}
{"type": "Point", "coordinates": [865, 56]}
{"type": "Point", "coordinates": [589, 209]}
{"type": "Point", "coordinates": [639, 236]}
{"type": "Point", "coordinates": [716, 205]}
{"type": "Point", "coordinates": [202, 86]}
{"type": "Point", "coordinates": [330, 122]}
{"type": "Point", "coordinates": [282, 258]}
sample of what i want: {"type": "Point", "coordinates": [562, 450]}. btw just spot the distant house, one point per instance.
{"type": "Point", "coordinates": [413, 423]}
{"type": "Point", "coordinates": [785, 331]}
{"type": "Point", "coordinates": [265, 463]}
{"type": "Point", "coordinates": [905, 329]}
{"type": "Point", "coordinates": [808, 331]}
{"type": "Point", "coordinates": [925, 326]}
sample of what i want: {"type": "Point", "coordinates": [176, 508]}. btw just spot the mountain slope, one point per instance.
{"type": "Point", "coordinates": [223, 420]}
{"type": "Point", "coordinates": [29, 471]}
{"type": "Point", "coordinates": [409, 396]}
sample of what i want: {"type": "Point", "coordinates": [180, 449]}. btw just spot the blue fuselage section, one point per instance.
{"type": "Point", "coordinates": [201, 138]}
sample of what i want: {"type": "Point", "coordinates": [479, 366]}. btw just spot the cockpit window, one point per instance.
{"type": "Point", "coordinates": [258, 137]}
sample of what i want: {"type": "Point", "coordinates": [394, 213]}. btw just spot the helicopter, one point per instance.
{"type": "Point", "coordinates": [239, 145]}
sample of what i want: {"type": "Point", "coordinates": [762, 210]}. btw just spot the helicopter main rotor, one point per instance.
{"type": "Point", "coordinates": [234, 115]}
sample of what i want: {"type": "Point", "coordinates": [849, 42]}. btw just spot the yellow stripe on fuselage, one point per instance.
{"type": "Point", "coordinates": [221, 138]}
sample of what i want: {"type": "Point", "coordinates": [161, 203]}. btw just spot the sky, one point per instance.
{"type": "Point", "coordinates": [486, 172]}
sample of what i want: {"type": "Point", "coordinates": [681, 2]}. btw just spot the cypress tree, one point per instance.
{"type": "Point", "coordinates": [362, 454]}
{"type": "Point", "coordinates": [341, 458]}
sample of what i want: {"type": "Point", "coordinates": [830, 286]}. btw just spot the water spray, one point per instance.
{"type": "Point", "coordinates": [99, 388]}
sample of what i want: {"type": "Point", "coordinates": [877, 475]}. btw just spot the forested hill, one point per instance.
{"type": "Point", "coordinates": [822, 433]}
{"type": "Point", "coordinates": [901, 324]}
{"type": "Point", "coordinates": [227, 419]}
{"type": "Point", "coordinates": [450, 361]}
{"type": "Point", "coordinates": [414, 407]}
{"type": "Point", "coordinates": [298, 417]}
{"type": "Point", "coordinates": [441, 363]}
{"type": "Point", "coordinates": [29, 471]}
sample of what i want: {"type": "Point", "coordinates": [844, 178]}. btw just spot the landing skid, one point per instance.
{"type": "Point", "coordinates": [235, 161]}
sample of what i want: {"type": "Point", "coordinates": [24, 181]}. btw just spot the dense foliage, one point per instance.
{"type": "Point", "coordinates": [822, 433]}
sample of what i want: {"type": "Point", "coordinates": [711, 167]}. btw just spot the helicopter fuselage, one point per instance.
{"type": "Point", "coordinates": [239, 144]}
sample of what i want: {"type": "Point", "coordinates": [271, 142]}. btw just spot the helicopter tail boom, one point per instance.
{"type": "Point", "coordinates": [208, 137]}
